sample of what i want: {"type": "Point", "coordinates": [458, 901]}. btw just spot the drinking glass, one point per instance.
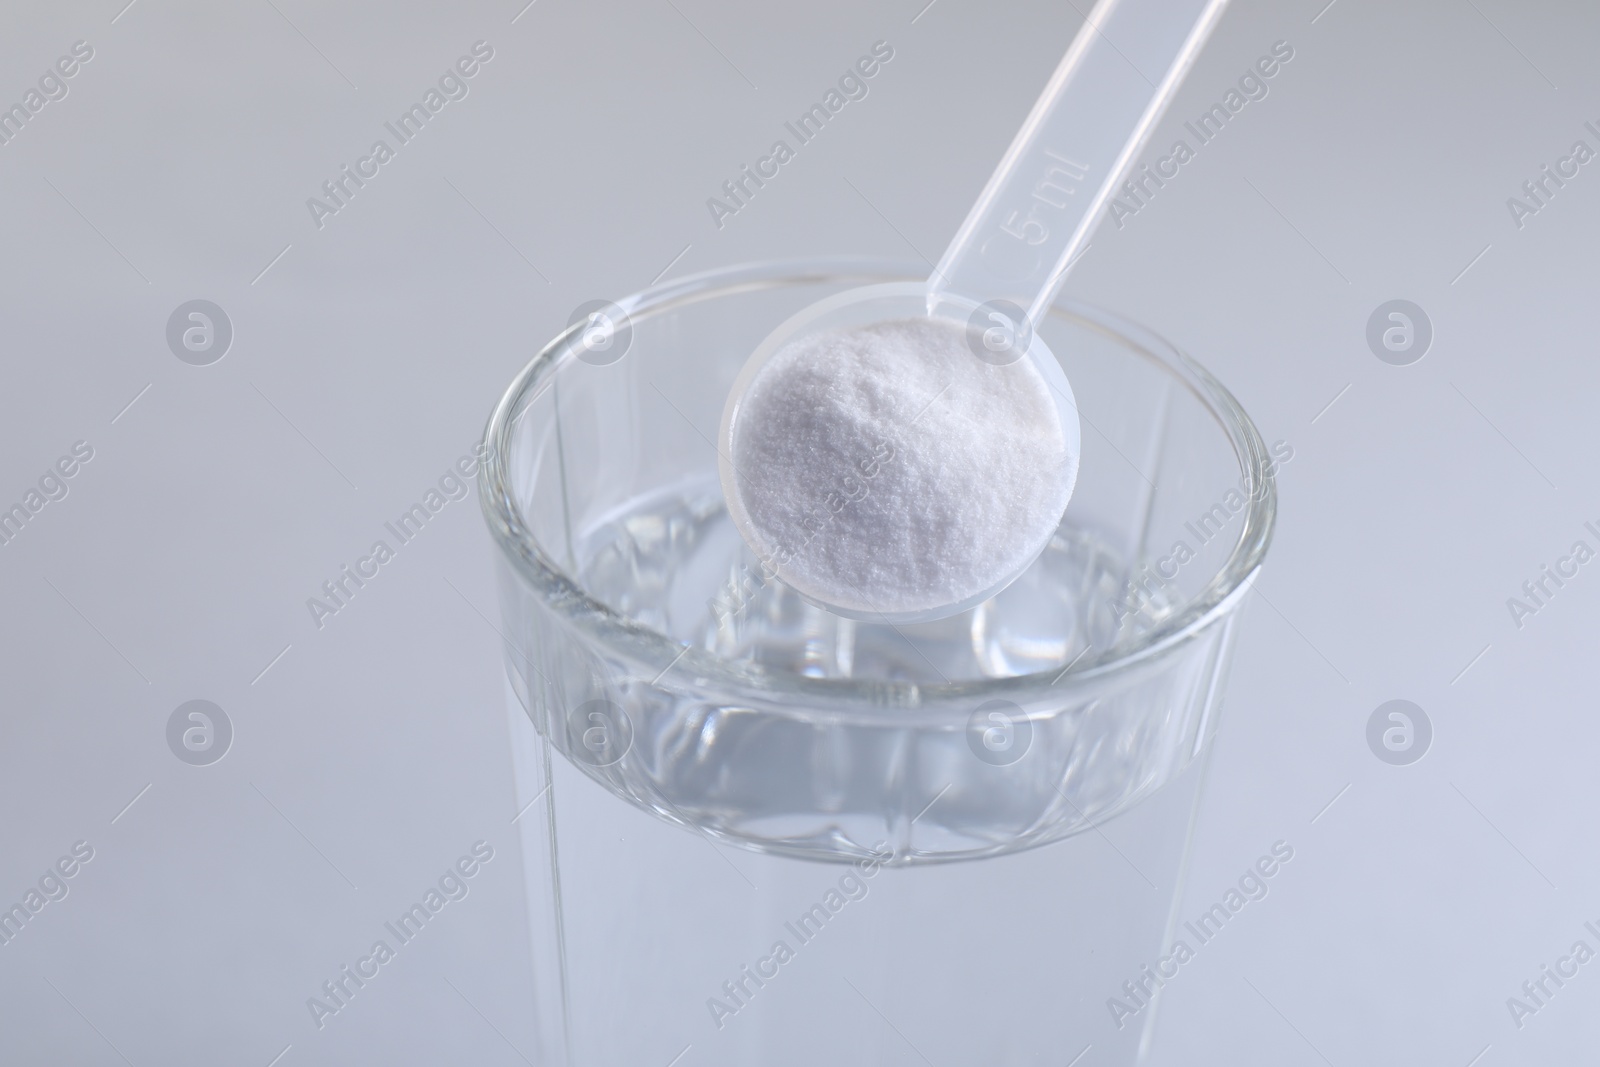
{"type": "Point", "coordinates": [760, 833]}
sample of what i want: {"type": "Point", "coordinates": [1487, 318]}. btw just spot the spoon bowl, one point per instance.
{"type": "Point", "coordinates": [996, 334]}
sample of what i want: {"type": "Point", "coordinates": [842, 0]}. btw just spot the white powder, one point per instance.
{"type": "Point", "coordinates": [888, 470]}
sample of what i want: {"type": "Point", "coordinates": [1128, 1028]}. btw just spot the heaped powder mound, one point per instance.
{"type": "Point", "coordinates": [887, 471]}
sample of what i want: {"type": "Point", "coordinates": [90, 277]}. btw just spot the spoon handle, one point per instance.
{"type": "Point", "coordinates": [1078, 143]}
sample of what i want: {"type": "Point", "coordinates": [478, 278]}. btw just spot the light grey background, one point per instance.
{"type": "Point", "coordinates": [371, 753]}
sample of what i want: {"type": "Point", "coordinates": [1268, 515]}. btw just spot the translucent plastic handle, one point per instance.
{"type": "Point", "coordinates": [1043, 201]}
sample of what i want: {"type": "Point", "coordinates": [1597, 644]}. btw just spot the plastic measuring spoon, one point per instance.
{"type": "Point", "coordinates": [1024, 234]}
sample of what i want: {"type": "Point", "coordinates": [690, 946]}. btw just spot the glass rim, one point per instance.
{"type": "Point", "coordinates": [664, 657]}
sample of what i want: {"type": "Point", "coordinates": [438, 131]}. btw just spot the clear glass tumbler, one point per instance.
{"type": "Point", "coordinates": [760, 833]}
